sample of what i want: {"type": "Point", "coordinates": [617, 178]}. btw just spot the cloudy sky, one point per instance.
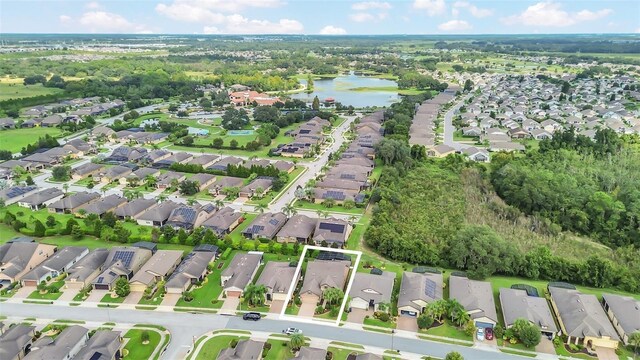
{"type": "Point", "coordinates": [328, 17]}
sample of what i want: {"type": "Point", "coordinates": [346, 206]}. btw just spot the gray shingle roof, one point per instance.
{"type": "Point", "coordinates": [373, 287]}
{"type": "Point", "coordinates": [266, 225]}
{"type": "Point", "coordinates": [13, 341]}
{"type": "Point", "coordinates": [75, 200]}
{"type": "Point", "coordinates": [298, 226]}
{"type": "Point", "coordinates": [277, 277]}
{"type": "Point", "coordinates": [87, 265]}
{"type": "Point", "coordinates": [135, 207]}
{"type": "Point", "coordinates": [474, 295]}
{"type": "Point", "coordinates": [192, 267]}
{"type": "Point", "coordinates": [322, 273]}
{"type": "Point", "coordinates": [244, 350]}
{"type": "Point", "coordinates": [59, 348]}
{"type": "Point", "coordinates": [516, 304]}
{"type": "Point", "coordinates": [159, 265]}
{"type": "Point", "coordinates": [42, 196]}
{"type": "Point", "coordinates": [426, 287]}
{"type": "Point", "coordinates": [241, 269]}
{"type": "Point", "coordinates": [56, 262]}
{"type": "Point", "coordinates": [626, 310]}
{"type": "Point", "coordinates": [103, 345]}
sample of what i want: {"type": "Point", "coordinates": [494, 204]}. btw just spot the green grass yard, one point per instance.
{"type": "Point", "coordinates": [15, 139]}
{"type": "Point", "coordinates": [19, 91]}
{"type": "Point", "coordinates": [48, 296]}
{"type": "Point", "coordinates": [211, 348]}
{"type": "Point", "coordinates": [448, 330]}
{"type": "Point", "coordinates": [207, 295]}
{"type": "Point", "coordinates": [136, 349]}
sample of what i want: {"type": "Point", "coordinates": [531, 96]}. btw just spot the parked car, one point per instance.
{"type": "Point", "coordinates": [480, 334]}
{"type": "Point", "coordinates": [488, 333]}
{"type": "Point", "coordinates": [251, 316]}
{"type": "Point", "coordinates": [291, 331]}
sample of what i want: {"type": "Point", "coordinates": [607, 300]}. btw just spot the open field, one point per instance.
{"type": "Point", "coordinates": [9, 90]}
{"type": "Point", "coordinates": [15, 139]}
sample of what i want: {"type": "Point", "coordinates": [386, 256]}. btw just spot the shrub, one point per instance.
{"type": "Point", "coordinates": [382, 316]}
{"type": "Point", "coordinates": [233, 343]}
{"type": "Point", "coordinates": [319, 309]}
{"type": "Point", "coordinates": [557, 341]}
{"type": "Point", "coordinates": [297, 301]}
{"type": "Point", "coordinates": [334, 311]}
{"type": "Point", "coordinates": [144, 336]}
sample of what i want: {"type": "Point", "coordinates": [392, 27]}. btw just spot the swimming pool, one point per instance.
{"type": "Point", "coordinates": [240, 132]}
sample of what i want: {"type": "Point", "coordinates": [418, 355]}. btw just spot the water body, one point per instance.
{"type": "Point", "coordinates": [344, 89]}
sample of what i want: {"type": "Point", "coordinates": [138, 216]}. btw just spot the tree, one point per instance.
{"type": "Point", "coordinates": [233, 144]}
{"type": "Point", "coordinates": [51, 221]}
{"type": "Point", "coordinates": [61, 173]}
{"type": "Point", "coordinates": [333, 296]}
{"type": "Point", "coordinates": [457, 312]}
{"type": "Point", "coordinates": [424, 321]}
{"type": "Point", "coordinates": [39, 229]}
{"type": "Point", "coordinates": [187, 140]}
{"type": "Point", "coordinates": [289, 210]}
{"type": "Point", "coordinates": [188, 187]}
{"type": "Point", "coordinates": [634, 340]}
{"type": "Point", "coordinates": [122, 288]}
{"type": "Point", "coordinates": [260, 207]}
{"type": "Point", "coordinates": [144, 336]}
{"type": "Point", "coordinates": [217, 143]}
{"type": "Point", "coordinates": [296, 341]}
{"type": "Point", "coordinates": [29, 180]}
{"type": "Point", "coordinates": [254, 294]}
{"type": "Point", "coordinates": [437, 309]}
{"type": "Point", "coordinates": [454, 356]}
{"type": "Point", "coordinates": [76, 232]}
{"type": "Point", "coordinates": [528, 333]}
{"type": "Point", "coordinates": [315, 105]}
{"type": "Point", "coordinates": [268, 114]}
{"type": "Point", "coordinates": [479, 250]}
{"type": "Point", "coordinates": [468, 85]}
{"type": "Point", "coordinates": [234, 119]}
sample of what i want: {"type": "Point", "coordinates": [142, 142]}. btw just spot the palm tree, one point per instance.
{"type": "Point", "coordinates": [634, 340]}
{"type": "Point", "coordinates": [254, 294]}
{"type": "Point", "coordinates": [65, 186]}
{"type": "Point", "coordinates": [457, 313]}
{"type": "Point", "coordinates": [296, 341]}
{"type": "Point", "coordinates": [128, 194]}
{"type": "Point", "coordinates": [333, 295]}
{"type": "Point", "coordinates": [289, 210]}
{"type": "Point", "coordinates": [352, 219]}
{"type": "Point", "coordinates": [150, 181]}
{"type": "Point", "coordinates": [437, 309]}
{"type": "Point", "coordinates": [260, 207]}
{"type": "Point", "coordinates": [218, 203]}
{"type": "Point", "coordinates": [191, 201]}
{"type": "Point", "coordinates": [162, 197]}
{"type": "Point", "coordinates": [323, 214]}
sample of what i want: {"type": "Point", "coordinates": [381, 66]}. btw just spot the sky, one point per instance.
{"type": "Point", "coordinates": [330, 17]}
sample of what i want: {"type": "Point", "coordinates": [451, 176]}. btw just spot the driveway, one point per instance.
{"type": "Point", "coordinates": [276, 306]}
{"type": "Point", "coordinates": [69, 294]}
{"type": "Point", "coordinates": [407, 323]}
{"type": "Point", "coordinates": [134, 297]}
{"type": "Point", "coordinates": [23, 292]}
{"type": "Point", "coordinates": [357, 315]}
{"type": "Point", "coordinates": [606, 354]}
{"type": "Point", "coordinates": [308, 308]}
{"type": "Point", "coordinates": [96, 295]}
{"type": "Point", "coordinates": [230, 304]}
{"type": "Point", "coordinates": [546, 346]}
{"type": "Point", "coordinates": [170, 299]}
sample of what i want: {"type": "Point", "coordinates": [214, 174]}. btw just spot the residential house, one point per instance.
{"type": "Point", "coordinates": [240, 272]}
{"type": "Point", "coordinates": [258, 188]}
{"type": "Point", "coordinates": [139, 176]}
{"type": "Point", "coordinates": [298, 228]}
{"type": "Point", "coordinates": [334, 182]}
{"type": "Point", "coordinates": [477, 298]}
{"type": "Point", "coordinates": [86, 269]}
{"type": "Point", "coordinates": [165, 180]}
{"type": "Point", "coordinates": [339, 196]}
{"type": "Point", "coordinates": [52, 121]}
{"type": "Point", "coordinates": [192, 269]}
{"type": "Point", "coordinates": [284, 166]}
{"type": "Point", "coordinates": [7, 123]}
{"type": "Point", "coordinates": [203, 180]}
{"type": "Point", "coordinates": [158, 268]}
{"type": "Point", "coordinates": [102, 132]}
{"type": "Point", "coordinates": [134, 208]}
{"type": "Point", "coordinates": [506, 146]}
{"type": "Point", "coordinates": [321, 275]}
{"type": "Point", "coordinates": [265, 226]}
{"type": "Point", "coordinates": [125, 154]}
{"type": "Point", "coordinates": [518, 133]}
{"type": "Point", "coordinates": [72, 203]}
{"type": "Point", "coordinates": [223, 221]}
{"type": "Point", "coordinates": [16, 341]}
{"type": "Point", "coordinates": [190, 217]}
{"type": "Point", "coordinates": [518, 304]}
{"type": "Point", "coordinates": [41, 199]}
{"type": "Point", "coordinates": [540, 134]}
{"type": "Point", "coordinates": [64, 346]}
{"type": "Point", "coordinates": [86, 170]}
{"type": "Point", "coordinates": [441, 150]}
{"type": "Point", "coordinates": [277, 277]}
{"type": "Point", "coordinates": [205, 160]}
{"type": "Point", "coordinates": [368, 291]}
{"type": "Point", "coordinates": [582, 319]}
{"type": "Point", "coordinates": [79, 148]}
{"type": "Point", "coordinates": [223, 182]}
{"type": "Point", "coordinates": [624, 313]}
{"type": "Point", "coordinates": [476, 154]}
{"type": "Point", "coordinates": [245, 350]}
{"type": "Point", "coordinates": [103, 205]}
{"type": "Point", "coordinates": [13, 194]}
{"type": "Point", "coordinates": [18, 258]}
{"type": "Point", "coordinates": [102, 345]}
{"type": "Point", "coordinates": [121, 262]}
{"type": "Point", "coordinates": [112, 174]}
{"type": "Point", "coordinates": [309, 353]}
{"type": "Point", "coordinates": [27, 165]}
{"type": "Point", "coordinates": [223, 163]}
{"type": "Point", "coordinates": [158, 214]}
{"type": "Point", "coordinates": [473, 131]}
{"type": "Point", "coordinates": [331, 231]}
{"type": "Point", "coordinates": [175, 158]}
{"type": "Point", "coordinates": [54, 266]}
{"type": "Point", "coordinates": [417, 290]}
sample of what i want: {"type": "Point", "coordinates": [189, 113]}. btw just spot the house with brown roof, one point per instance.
{"type": "Point", "coordinates": [441, 150]}
{"type": "Point", "coordinates": [164, 181]}
{"type": "Point", "coordinates": [321, 275]}
{"type": "Point", "coordinates": [240, 272]}
{"type": "Point", "coordinates": [277, 277]}
{"type": "Point", "coordinates": [223, 182]}
{"type": "Point", "coordinates": [72, 203]}
{"type": "Point", "coordinates": [86, 170]}
{"type": "Point", "coordinates": [134, 208]}
{"type": "Point", "coordinates": [112, 174]}
{"type": "Point", "coordinates": [157, 268]}
{"type": "Point", "coordinates": [332, 231]}
{"type": "Point", "coordinates": [18, 258]}
{"type": "Point", "coordinates": [299, 228]}
{"type": "Point", "coordinates": [224, 221]}
{"type": "Point", "coordinates": [203, 180]}
{"type": "Point", "coordinates": [102, 205]}
{"type": "Point", "coordinates": [257, 188]}
{"type": "Point", "coordinates": [265, 226]}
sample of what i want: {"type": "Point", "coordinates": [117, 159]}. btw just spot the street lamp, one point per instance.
{"type": "Point", "coordinates": [392, 333]}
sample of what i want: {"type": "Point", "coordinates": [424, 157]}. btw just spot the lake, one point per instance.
{"type": "Point", "coordinates": [359, 91]}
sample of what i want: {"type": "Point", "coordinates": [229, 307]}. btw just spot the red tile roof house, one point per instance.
{"type": "Point", "coordinates": [243, 98]}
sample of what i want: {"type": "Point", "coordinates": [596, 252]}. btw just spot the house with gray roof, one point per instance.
{"type": "Point", "coordinates": [339, 196]}
{"type": "Point", "coordinates": [223, 182]}
{"type": "Point", "coordinates": [309, 353]}
{"type": "Point", "coordinates": [83, 272]}
{"type": "Point", "coordinates": [223, 221]}
{"type": "Point", "coordinates": [417, 291]}
{"type": "Point", "coordinates": [477, 298]}
{"type": "Point", "coordinates": [245, 350]}
{"type": "Point", "coordinates": [102, 345]}
{"type": "Point", "coordinates": [335, 182]}
{"type": "Point", "coordinates": [63, 347]}
{"type": "Point", "coordinates": [203, 180]}
{"type": "Point", "coordinates": [192, 269]}
{"type": "Point", "coordinates": [72, 203]}
{"type": "Point", "coordinates": [223, 163]}
{"type": "Point", "coordinates": [257, 188]}
{"type": "Point", "coordinates": [190, 217]}
{"type": "Point", "coordinates": [164, 181]}
{"type": "Point", "coordinates": [265, 226]}
{"type": "Point", "coordinates": [52, 121]}
{"type": "Point", "coordinates": [321, 275]}
{"type": "Point", "coordinates": [157, 215]}
{"type": "Point", "coordinates": [7, 123]}
{"type": "Point", "coordinates": [86, 170]}
{"type": "Point", "coordinates": [368, 291]}
{"type": "Point", "coordinates": [582, 319]}
{"type": "Point", "coordinates": [121, 262]}
{"type": "Point", "coordinates": [157, 268]}
{"type": "Point", "coordinates": [285, 166]}
{"type": "Point", "coordinates": [15, 341]}
{"type": "Point", "coordinates": [139, 176]}
{"type": "Point", "coordinates": [104, 205]}
{"type": "Point", "coordinates": [204, 160]}
{"type": "Point", "coordinates": [299, 228]}
{"type": "Point", "coordinates": [624, 313]}
{"type": "Point", "coordinates": [13, 194]}
{"type": "Point", "coordinates": [134, 208]}
{"type": "Point", "coordinates": [517, 304]}
{"type": "Point", "coordinates": [277, 277]}
{"type": "Point", "coordinates": [18, 258]}
{"type": "Point", "coordinates": [240, 272]}
{"type": "Point", "coordinates": [41, 199]}
{"type": "Point", "coordinates": [476, 154]}
{"type": "Point", "coordinates": [112, 174]}
{"type": "Point", "coordinates": [332, 231]}
{"type": "Point", "coordinates": [54, 266]}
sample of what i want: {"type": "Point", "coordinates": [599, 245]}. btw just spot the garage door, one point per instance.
{"type": "Point", "coordinates": [480, 324]}
{"type": "Point", "coordinates": [408, 313]}
{"type": "Point", "coordinates": [101, 287]}
{"type": "Point", "coordinates": [234, 293]}
{"type": "Point", "coordinates": [30, 283]}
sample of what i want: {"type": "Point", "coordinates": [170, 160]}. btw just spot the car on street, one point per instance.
{"type": "Point", "coordinates": [480, 334]}
{"type": "Point", "coordinates": [291, 331]}
{"type": "Point", "coordinates": [488, 333]}
{"type": "Point", "coordinates": [251, 316]}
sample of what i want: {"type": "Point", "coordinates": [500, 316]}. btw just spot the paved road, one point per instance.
{"type": "Point", "coordinates": [185, 327]}
{"type": "Point", "coordinates": [449, 129]}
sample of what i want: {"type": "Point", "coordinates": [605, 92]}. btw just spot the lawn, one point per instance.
{"type": "Point", "coordinates": [210, 290]}
{"type": "Point", "coordinates": [371, 321]}
{"type": "Point", "coordinates": [111, 300]}
{"type": "Point", "coordinates": [211, 348]}
{"type": "Point", "coordinates": [19, 91]}
{"type": "Point", "coordinates": [15, 139]}
{"type": "Point", "coordinates": [136, 349]}
{"type": "Point", "coordinates": [307, 205]}
{"type": "Point", "coordinates": [236, 234]}
{"type": "Point", "coordinates": [48, 296]}
{"type": "Point", "coordinates": [272, 195]}
{"type": "Point", "coordinates": [562, 351]}
{"type": "Point", "coordinates": [448, 330]}
{"type": "Point", "coordinates": [279, 350]}
{"type": "Point", "coordinates": [341, 354]}
{"type": "Point", "coordinates": [156, 299]}
{"type": "Point", "coordinates": [244, 307]}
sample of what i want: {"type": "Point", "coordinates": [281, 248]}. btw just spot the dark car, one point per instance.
{"type": "Point", "coordinates": [251, 316]}
{"type": "Point", "coordinates": [488, 333]}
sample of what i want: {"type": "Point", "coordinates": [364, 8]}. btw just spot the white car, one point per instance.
{"type": "Point", "coordinates": [480, 334]}
{"type": "Point", "coordinates": [291, 331]}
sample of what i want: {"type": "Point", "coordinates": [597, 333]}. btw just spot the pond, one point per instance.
{"type": "Point", "coordinates": [355, 90]}
{"type": "Point", "coordinates": [240, 132]}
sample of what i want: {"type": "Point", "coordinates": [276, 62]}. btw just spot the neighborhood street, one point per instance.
{"type": "Point", "coordinates": [449, 129]}
{"type": "Point", "coordinates": [185, 328]}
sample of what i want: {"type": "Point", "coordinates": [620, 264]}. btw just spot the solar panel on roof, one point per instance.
{"type": "Point", "coordinates": [334, 228]}
{"type": "Point", "coordinates": [430, 288]}
{"type": "Point", "coordinates": [274, 222]}
{"type": "Point", "coordinates": [337, 195]}
{"type": "Point", "coordinates": [124, 256]}
{"type": "Point", "coordinates": [348, 176]}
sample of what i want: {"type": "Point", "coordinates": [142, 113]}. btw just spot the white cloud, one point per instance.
{"type": "Point", "coordinates": [473, 10]}
{"type": "Point", "coordinates": [368, 5]}
{"type": "Point", "coordinates": [102, 21]}
{"type": "Point", "coordinates": [552, 15]}
{"type": "Point", "coordinates": [362, 17]}
{"type": "Point", "coordinates": [332, 30]}
{"type": "Point", "coordinates": [454, 26]}
{"type": "Point", "coordinates": [209, 10]}
{"type": "Point", "coordinates": [238, 24]}
{"type": "Point", "coordinates": [455, 12]}
{"type": "Point", "coordinates": [65, 19]}
{"type": "Point", "coordinates": [189, 13]}
{"type": "Point", "coordinates": [210, 30]}
{"type": "Point", "coordinates": [93, 5]}
{"type": "Point", "coordinates": [433, 7]}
